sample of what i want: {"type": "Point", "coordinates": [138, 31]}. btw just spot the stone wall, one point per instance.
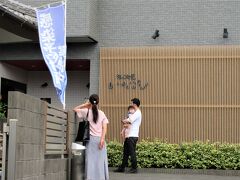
{"type": "Point", "coordinates": [31, 161]}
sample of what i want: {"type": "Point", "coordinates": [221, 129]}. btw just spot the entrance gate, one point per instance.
{"type": "Point", "coordinates": [37, 139]}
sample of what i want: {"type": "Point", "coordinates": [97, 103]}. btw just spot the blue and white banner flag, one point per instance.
{"type": "Point", "coordinates": [52, 37]}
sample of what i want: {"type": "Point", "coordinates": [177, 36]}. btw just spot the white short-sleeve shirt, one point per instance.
{"type": "Point", "coordinates": [135, 119]}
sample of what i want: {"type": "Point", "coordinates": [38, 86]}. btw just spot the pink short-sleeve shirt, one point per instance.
{"type": "Point", "coordinates": [95, 128]}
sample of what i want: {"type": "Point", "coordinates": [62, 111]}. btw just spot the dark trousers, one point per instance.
{"type": "Point", "coordinates": [129, 149]}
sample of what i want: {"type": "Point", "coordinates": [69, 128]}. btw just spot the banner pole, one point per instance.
{"type": "Point", "coordinates": [65, 39]}
{"type": "Point", "coordinates": [47, 5]}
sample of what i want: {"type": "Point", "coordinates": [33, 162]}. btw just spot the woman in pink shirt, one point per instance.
{"type": "Point", "coordinates": [96, 163]}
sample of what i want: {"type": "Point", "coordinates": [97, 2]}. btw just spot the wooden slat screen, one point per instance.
{"type": "Point", "coordinates": [187, 92]}
{"type": "Point", "coordinates": [56, 131]}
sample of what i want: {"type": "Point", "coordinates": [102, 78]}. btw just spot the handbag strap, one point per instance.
{"type": "Point", "coordinates": [87, 114]}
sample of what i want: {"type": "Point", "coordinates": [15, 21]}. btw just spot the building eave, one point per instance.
{"type": "Point", "coordinates": [20, 21]}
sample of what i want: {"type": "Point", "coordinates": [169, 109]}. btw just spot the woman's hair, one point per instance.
{"type": "Point", "coordinates": [94, 100]}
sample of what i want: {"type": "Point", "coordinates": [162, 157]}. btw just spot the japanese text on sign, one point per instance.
{"type": "Point", "coordinates": [128, 81]}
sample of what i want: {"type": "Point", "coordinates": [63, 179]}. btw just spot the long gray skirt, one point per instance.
{"type": "Point", "coordinates": [96, 161]}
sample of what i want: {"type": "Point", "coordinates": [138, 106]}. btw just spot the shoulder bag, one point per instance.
{"type": "Point", "coordinates": [83, 134]}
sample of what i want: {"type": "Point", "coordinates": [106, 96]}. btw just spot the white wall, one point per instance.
{"type": "Point", "coordinates": [76, 91]}
{"type": "Point", "coordinates": [12, 73]}
{"type": "Point", "coordinates": [7, 37]}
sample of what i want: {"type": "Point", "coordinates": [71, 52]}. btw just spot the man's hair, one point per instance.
{"type": "Point", "coordinates": [136, 101]}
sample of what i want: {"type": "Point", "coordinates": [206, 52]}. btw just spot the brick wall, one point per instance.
{"type": "Point", "coordinates": [132, 22]}
{"type": "Point", "coordinates": [74, 18]}
{"type": "Point", "coordinates": [180, 22]}
{"type": "Point", "coordinates": [123, 23]}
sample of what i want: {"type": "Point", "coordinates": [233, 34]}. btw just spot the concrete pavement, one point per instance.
{"type": "Point", "coordinates": [160, 176]}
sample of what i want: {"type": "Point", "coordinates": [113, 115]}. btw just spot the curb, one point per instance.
{"type": "Point", "coordinates": [215, 172]}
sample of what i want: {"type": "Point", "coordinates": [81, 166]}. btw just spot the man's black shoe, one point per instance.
{"type": "Point", "coordinates": [120, 170]}
{"type": "Point", "coordinates": [132, 170]}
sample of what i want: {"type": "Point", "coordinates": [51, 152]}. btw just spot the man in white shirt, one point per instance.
{"type": "Point", "coordinates": [129, 147]}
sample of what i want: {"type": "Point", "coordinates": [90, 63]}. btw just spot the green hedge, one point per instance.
{"type": "Point", "coordinates": [196, 155]}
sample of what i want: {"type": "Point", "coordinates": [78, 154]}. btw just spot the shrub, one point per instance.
{"type": "Point", "coordinates": [195, 155]}
{"type": "Point", "coordinates": [3, 109]}
{"type": "Point", "coordinates": [114, 150]}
